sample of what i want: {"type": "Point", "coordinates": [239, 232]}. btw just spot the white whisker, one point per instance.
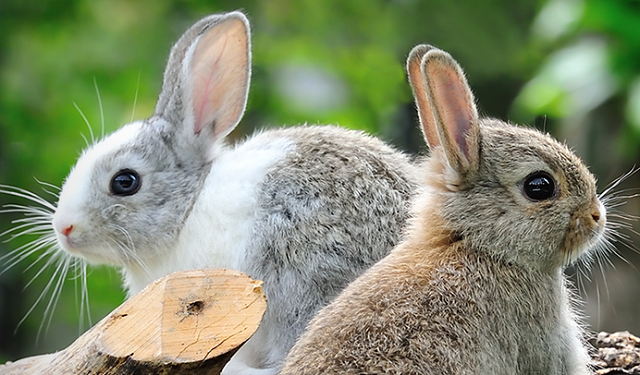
{"type": "Point", "coordinates": [25, 194]}
{"type": "Point", "coordinates": [41, 295]}
{"type": "Point", "coordinates": [128, 250]}
{"type": "Point", "coordinates": [81, 274]}
{"type": "Point", "coordinates": [86, 121]}
{"type": "Point", "coordinates": [61, 272]}
{"type": "Point", "coordinates": [52, 186]}
{"type": "Point", "coordinates": [51, 257]}
{"type": "Point", "coordinates": [135, 99]}
{"type": "Point", "coordinates": [42, 251]}
{"type": "Point", "coordinates": [615, 183]}
{"type": "Point", "coordinates": [95, 84]}
{"type": "Point", "coordinates": [22, 252]}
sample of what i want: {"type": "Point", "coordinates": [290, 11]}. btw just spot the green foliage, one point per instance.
{"type": "Point", "coordinates": [593, 64]}
{"type": "Point", "coordinates": [331, 61]}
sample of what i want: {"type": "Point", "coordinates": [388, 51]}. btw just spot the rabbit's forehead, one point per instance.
{"type": "Point", "coordinates": [78, 187]}
{"type": "Point", "coordinates": [128, 134]}
{"type": "Point", "coordinates": [519, 152]}
{"type": "Point", "coordinates": [131, 147]}
{"type": "Point", "coordinates": [98, 153]}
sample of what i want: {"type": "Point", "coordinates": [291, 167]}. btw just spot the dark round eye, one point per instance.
{"type": "Point", "coordinates": [126, 182]}
{"type": "Point", "coordinates": [539, 186]}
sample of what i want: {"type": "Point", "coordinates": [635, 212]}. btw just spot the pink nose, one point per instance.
{"type": "Point", "coordinates": [66, 231]}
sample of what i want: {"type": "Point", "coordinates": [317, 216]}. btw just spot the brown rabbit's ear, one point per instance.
{"type": "Point", "coordinates": [206, 82]}
{"type": "Point", "coordinates": [419, 87]}
{"type": "Point", "coordinates": [454, 114]}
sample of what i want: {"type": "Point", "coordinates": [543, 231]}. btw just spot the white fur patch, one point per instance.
{"type": "Point", "coordinates": [75, 191]}
{"type": "Point", "coordinates": [222, 220]}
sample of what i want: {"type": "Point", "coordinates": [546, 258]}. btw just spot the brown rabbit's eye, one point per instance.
{"type": "Point", "coordinates": [126, 182]}
{"type": "Point", "coordinates": [539, 186]}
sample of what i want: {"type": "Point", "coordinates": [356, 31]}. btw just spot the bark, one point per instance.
{"type": "Point", "coordinates": [185, 323]}
{"type": "Point", "coordinates": [617, 353]}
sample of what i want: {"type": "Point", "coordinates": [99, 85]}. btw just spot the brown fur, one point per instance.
{"type": "Point", "coordinates": [477, 287]}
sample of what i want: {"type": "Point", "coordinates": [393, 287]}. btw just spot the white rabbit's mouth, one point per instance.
{"type": "Point", "coordinates": [45, 249]}
{"type": "Point", "coordinates": [98, 251]}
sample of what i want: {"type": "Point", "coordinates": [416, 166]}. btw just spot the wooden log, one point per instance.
{"type": "Point", "coordinates": [187, 322]}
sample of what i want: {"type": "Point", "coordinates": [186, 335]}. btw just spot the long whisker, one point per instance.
{"type": "Point", "coordinates": [618, 181]}
{"type": "Point", "coordinates": [26, 194]}
{"type": "Point", "coordinates": [36, 221]}
{"type": "Point", "coordinates": [95, 84]}
{"type": "Point", "coordinates": [86, 121]}
{"type": "Point", "coordinates": [81, 273]}
{"type": "Point", "coordinates": [61, 271]}
{"type": "Point", "coordinates": [26, 251]}
{"type": "Point", "coordinates": [52, 186]}
{"type": "Point", "coordinates": [42, 294]}
{"type": "Point", "coordinates": [128, 250]}
{"type": "Point", "coordinates": [135, 99]}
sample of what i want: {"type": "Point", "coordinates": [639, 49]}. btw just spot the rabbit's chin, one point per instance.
{"type": "Point", "coordinates": [582, 252]}
{"type": "Point", "coordinates": [585, 250]}
{"type": "Point", "coordinates": [93, 256]}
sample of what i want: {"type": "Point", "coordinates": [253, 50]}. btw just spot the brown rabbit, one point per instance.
{"type": "Point", "coordinates": [477, 287]}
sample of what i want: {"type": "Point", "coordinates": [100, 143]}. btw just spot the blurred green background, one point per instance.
{"type": "Point", "coordinates": [571, 67]}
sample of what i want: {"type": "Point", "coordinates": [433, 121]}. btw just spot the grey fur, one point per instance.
{"type": "Point", "coordinates": [477, 285]}
{"type": "Point", "coordinates": [330, 210]}
{"type": "Point", "coordinates": [170, 186]}
{"type": "Point", "coordinates": [305, 209]}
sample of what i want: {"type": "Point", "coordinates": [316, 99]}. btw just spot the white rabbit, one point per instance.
{"type": "Point", "coordinates": [305, 209]}
{"type": "Point", "coordinates": [477, 287]}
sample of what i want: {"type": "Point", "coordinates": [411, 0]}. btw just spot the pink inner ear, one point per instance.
{"type": "Point", "coordinates": [454, 105]}
{"type": "Point", "coordinates": [204, 93]}
{"type": "Point", "coordinates": [219, 77]}
{"type": "Point", "coordinates": [206, 73]}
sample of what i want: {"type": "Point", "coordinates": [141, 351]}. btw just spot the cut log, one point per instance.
{"type": "Point", "coordinates": [187, 322]}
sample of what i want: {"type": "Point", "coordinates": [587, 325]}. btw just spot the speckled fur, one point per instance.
{"type": "Point", "coordinates": [329, 210]}
{"type": "Point", "coordinates": [477, 286]}
{"type": "Point", "coordinates": [305, 209]}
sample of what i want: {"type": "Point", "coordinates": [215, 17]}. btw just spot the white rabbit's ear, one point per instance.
{"type": "Point", "coordinates": [206, 82]}
{"type": "Point", "coordinates": [454, 116]}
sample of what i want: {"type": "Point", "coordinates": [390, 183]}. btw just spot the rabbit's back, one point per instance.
{"type": "Point", "coordinates": [327, 211]}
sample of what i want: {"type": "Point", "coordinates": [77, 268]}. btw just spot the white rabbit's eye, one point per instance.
{"type": "Point", "coordinates": [539, 186]}
{"type": "Point", "coordinates": [125, 182]}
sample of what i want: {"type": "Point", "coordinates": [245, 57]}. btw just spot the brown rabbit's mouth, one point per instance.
{"type": "Point", "coordinates": [585, 232]}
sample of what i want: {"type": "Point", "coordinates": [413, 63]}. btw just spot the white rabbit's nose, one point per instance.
{"type": "Point", "coordinates": [64, 227]}
{"type": "Point", "coordinates": [61, 225]}
{"type": "Point", "coordinates": [65, 233]}
{"type": "Point", "coordinates": [67, 230]}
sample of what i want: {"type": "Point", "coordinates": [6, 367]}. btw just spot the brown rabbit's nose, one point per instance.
{"type": "Point", "coordinates": [596, 216]}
